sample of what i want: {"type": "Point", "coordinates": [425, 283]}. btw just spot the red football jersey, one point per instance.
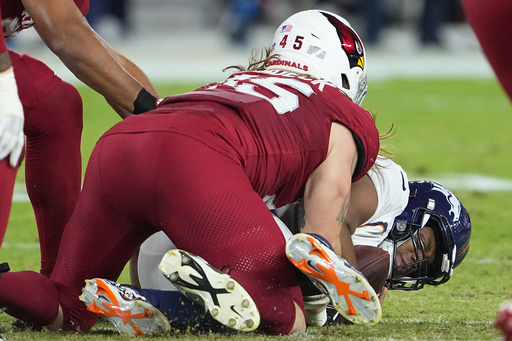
{"type": "Point", "coordinates": [15, 18]}
{"type": "Point", "coordinates": [277, 123]}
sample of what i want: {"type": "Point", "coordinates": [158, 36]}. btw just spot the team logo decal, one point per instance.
{"type": "Point", "coordinates": [455, 208]}
{"type": "Point", "coordinates": [350, 43]}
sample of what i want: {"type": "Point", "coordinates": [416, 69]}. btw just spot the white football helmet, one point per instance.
{"type": "Point", "coordinates": [323, 45]}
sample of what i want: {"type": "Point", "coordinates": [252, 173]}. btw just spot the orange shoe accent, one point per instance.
{"type": "Point", "coordinates": [114, 310]}
{"type": "Point", "coordinates": [329, 275]}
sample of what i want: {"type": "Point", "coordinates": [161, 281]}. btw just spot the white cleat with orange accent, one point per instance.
{"type": "Point", "coordinates": [349, 291]}
{"type": "Point", "coordinates": [124, 307]}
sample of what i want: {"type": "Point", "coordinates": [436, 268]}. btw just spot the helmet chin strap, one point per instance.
{"type": "Point", "coordinates": [430, 206]}
{"type": "Point", "coordinates": [445, 262]}
{"type": "Point", "coordinates": [445, 265]}
{"type": "Point", "coordinates": [388, 245]}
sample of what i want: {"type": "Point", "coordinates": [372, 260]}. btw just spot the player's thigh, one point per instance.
{"type": "Point", "coordinates": [215, 213]}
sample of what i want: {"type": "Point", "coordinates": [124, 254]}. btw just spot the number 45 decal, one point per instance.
{"type": "Point", "coordinates": [284, 100]}
{"type": "Point", "coordinates": [297, 44]}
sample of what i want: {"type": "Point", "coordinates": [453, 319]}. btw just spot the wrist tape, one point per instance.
{"type": "Point", "coordinates": [144, 102]}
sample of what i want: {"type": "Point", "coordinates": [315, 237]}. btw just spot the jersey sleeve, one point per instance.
{"type": "Point", "coordinates": [392, 186]}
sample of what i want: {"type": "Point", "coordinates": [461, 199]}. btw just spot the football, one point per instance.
{"type": "Point", "coordinates": [373, 263]}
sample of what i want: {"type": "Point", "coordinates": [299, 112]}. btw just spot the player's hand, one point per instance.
{"type": "Point", "coordinates": [11, 138]}
{"type": "Point", "coordinates": [12, 119]}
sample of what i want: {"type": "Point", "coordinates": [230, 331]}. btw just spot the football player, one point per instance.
{"type": "Point", "coordinates": [11, 111]}
{"type": "Point", "coordinates": [11, 129]}
{"type": "Point", "coordinates": [53, 110]}
{"type": "Point", "coordinates": [197, 168]}
{"type": "Point", "coordinates": [425, 229]}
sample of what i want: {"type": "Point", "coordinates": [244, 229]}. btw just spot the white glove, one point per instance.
{"type": "Point", "coordinates": [12, 119]}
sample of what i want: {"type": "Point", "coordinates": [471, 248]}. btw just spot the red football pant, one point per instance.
{"type": "Point", "coordinates": [491, 22]}
{"type": "Point", "coordinates": [53, 165]}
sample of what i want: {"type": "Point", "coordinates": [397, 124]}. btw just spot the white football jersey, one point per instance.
{"type": "Point", "coordinates": [392, 185]}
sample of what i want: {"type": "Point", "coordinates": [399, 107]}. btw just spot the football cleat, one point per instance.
{"type": "Point", "coordinates": [223, 297]}
{"type": "Point", "coordinates": [121, 305]}
{"type": "Point", "coordinates": [334, 318]}
{"type": "Point", "coordinates": [348, 290]}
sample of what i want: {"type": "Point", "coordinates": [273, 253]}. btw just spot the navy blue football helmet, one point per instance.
{"type": "Point", "coordinates": [430, 204]}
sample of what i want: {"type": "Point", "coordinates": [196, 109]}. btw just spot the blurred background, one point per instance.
{"type": "Point", "coordinates": [193, 40]}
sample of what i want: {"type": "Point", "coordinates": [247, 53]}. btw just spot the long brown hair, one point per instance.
{"type": "Point", "coordinates": [257, 61]}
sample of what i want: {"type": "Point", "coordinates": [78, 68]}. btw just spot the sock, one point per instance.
{"type": "Point", "coordinates": [182, 312]}
{"type": "Point", "coordinates": [322, 240]}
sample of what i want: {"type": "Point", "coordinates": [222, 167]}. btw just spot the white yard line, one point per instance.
{"type": "Point", "coordinates": [454, 182]}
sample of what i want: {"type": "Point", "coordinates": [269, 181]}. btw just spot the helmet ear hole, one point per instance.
{"type": "Point", "coordinates": [344, 81]}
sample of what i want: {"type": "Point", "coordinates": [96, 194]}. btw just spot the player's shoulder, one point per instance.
{"type": "Point", "coordinates": [388, 174]}
{"type": "Point", "coordinates": [392, 185]}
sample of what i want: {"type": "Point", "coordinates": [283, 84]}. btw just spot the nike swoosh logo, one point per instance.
{"type": "Point", "coordinates": [310, 263]}
{"type": "Point", "coordinates": [234, 310]}
{"type": "Point", "coordinates": [403, 182]}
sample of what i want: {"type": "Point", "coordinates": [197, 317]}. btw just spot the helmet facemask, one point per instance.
{"type": "Point", "coordinates": [415, 280]}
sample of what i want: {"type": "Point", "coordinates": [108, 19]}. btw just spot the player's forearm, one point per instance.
{"type": "Point", "coordinates": [346, 246]}
{"type": "Point", "coordinates": [325, 204]}
{"type": "Point", "coordinates": [137, 73]}
{"type": "Point", "coordinates": [66, 32]}
{"type": "Point", "coordinates": [92, 63]}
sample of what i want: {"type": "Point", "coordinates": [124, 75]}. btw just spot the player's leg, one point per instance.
{"type": "Point", "coordinates": [149, 257]}
{"type": "Point", "coordinates": [53, 126]}
{"type": "Point", "coordinates": [98, 241]}
{"type": "Point", "coordinates": [203, 201]}
{"type": "Point", "coordinates": [140, 312]}
{"type": "Point", "coordinates": [92, 245]}
{"type": "Point", "coordinates": [214, 213]}
{"type": "Point", "coordinates": [30, 297]}
{"type": "Point", "coordinates": [7, 176]}
{"type": "Point", "coordinates": [102, 234]}
{"type": "Point", "coordinates": [490, 21]}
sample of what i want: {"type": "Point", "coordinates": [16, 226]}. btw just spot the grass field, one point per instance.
{"type": "Point", "coordinates": [448, 126]}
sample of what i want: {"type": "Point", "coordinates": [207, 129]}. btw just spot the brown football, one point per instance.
{"type": "Point", "coordinates": [374, 265]}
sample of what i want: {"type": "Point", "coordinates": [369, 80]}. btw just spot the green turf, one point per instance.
{"type": "Point", "coordinates": [442, 126]}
